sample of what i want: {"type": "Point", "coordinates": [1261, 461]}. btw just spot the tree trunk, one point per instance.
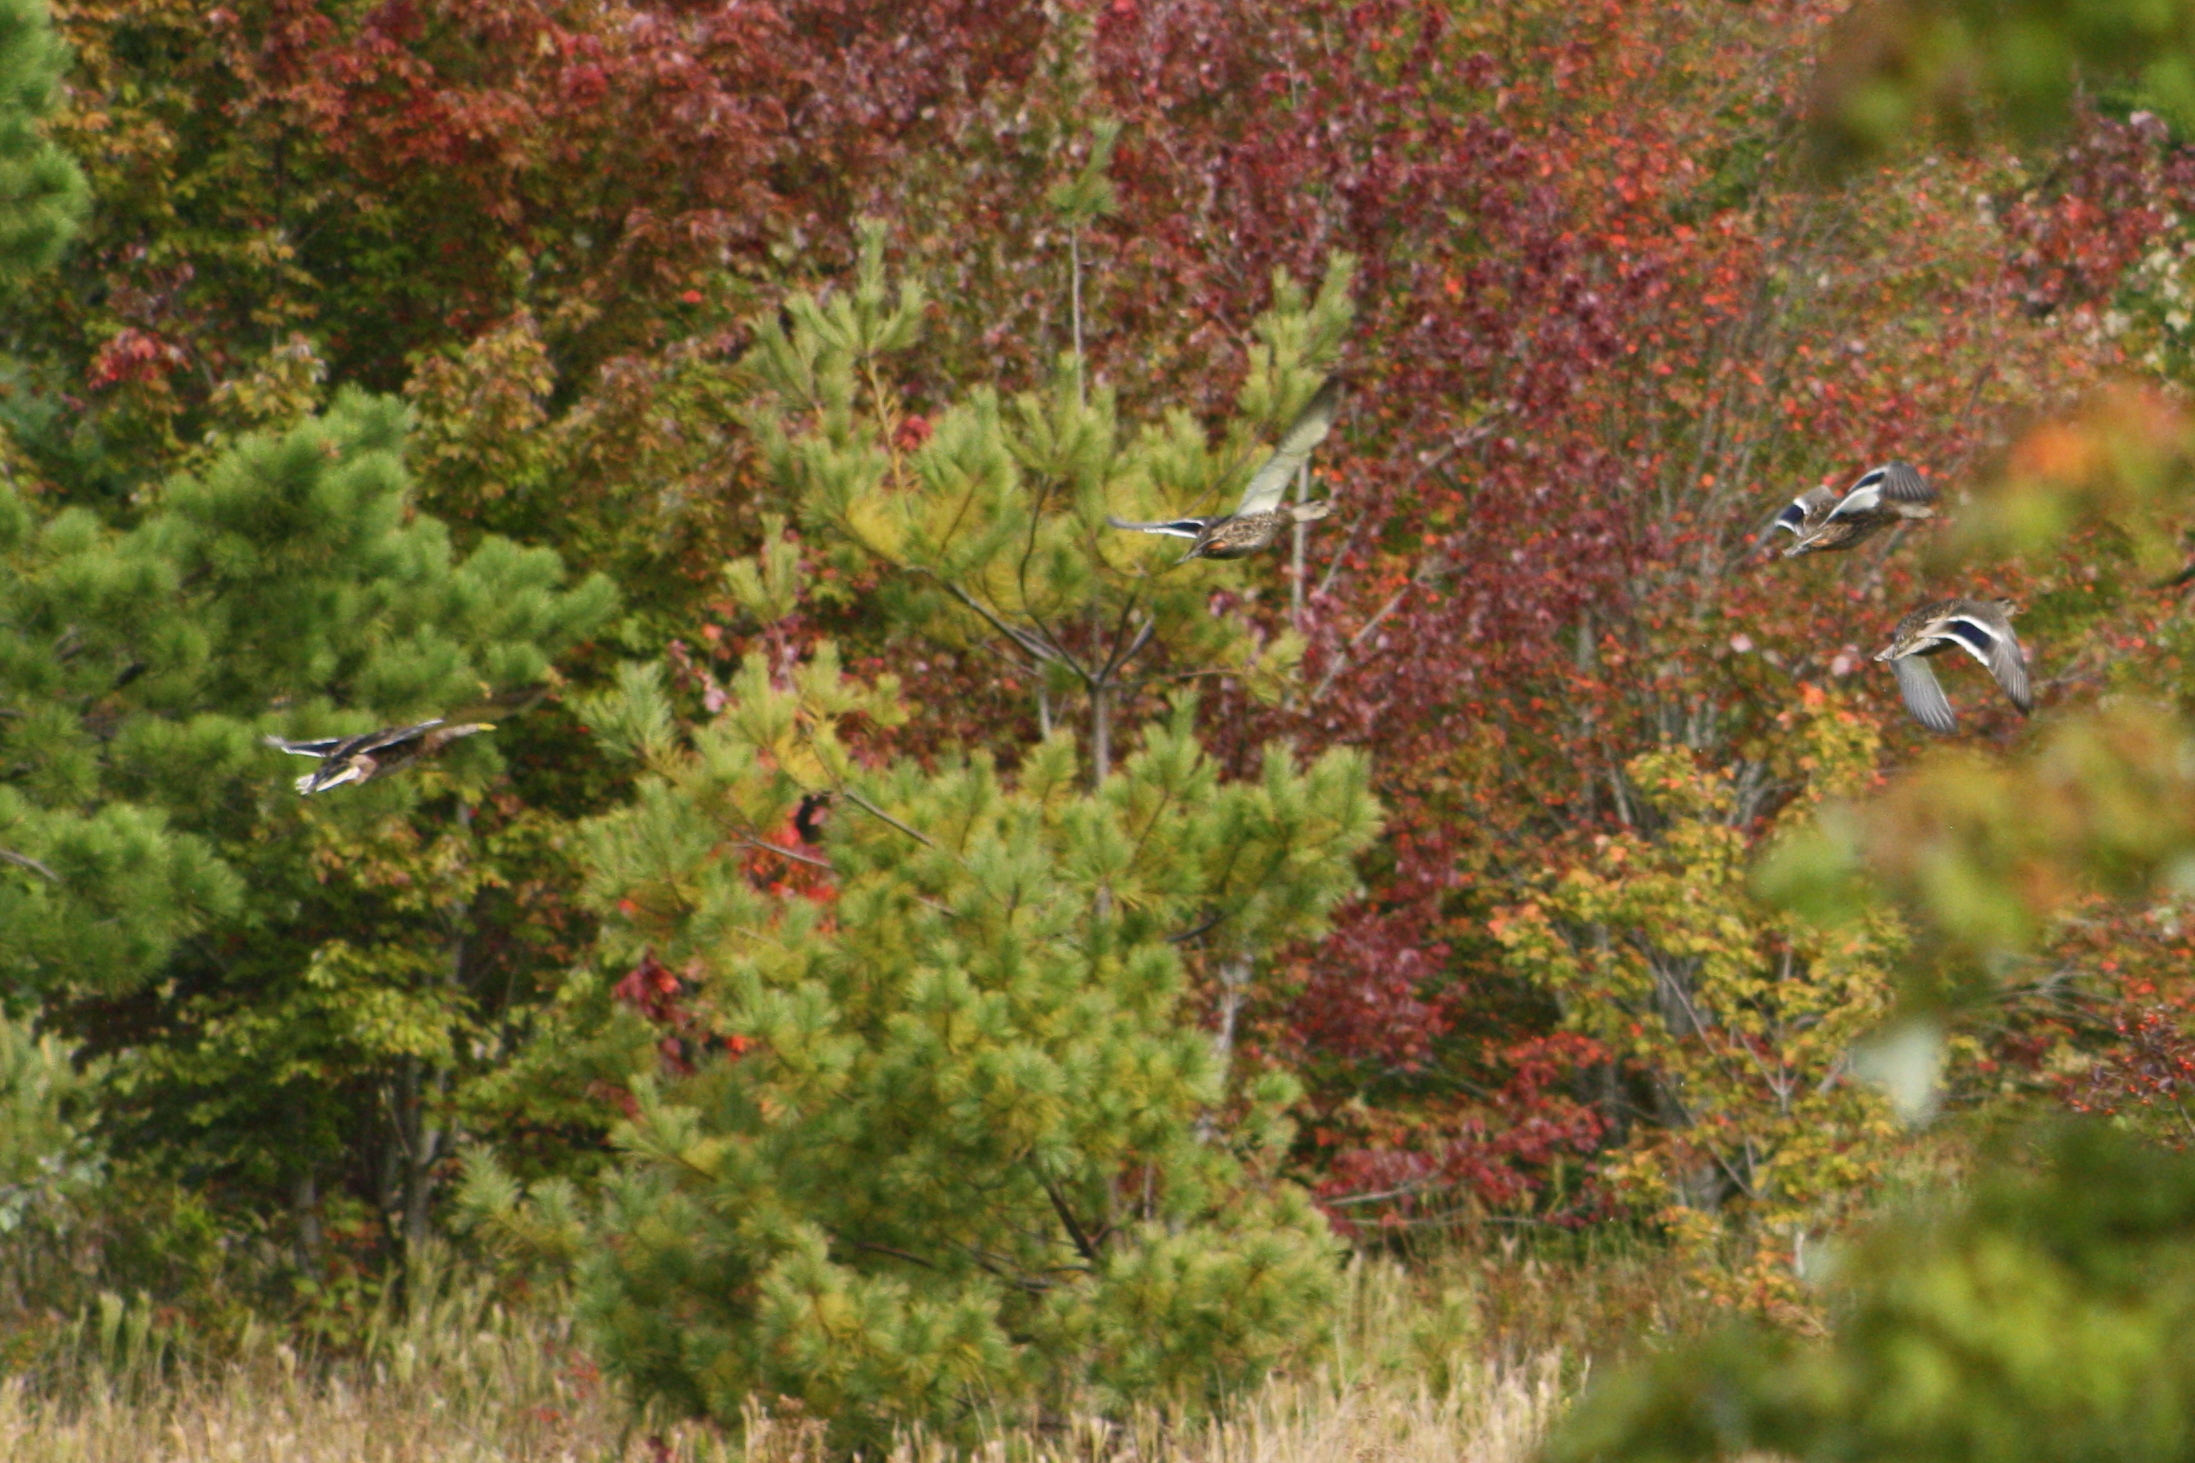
{"type": "Point", "coordinates": [419, 1145]}
{"type": "Point", "coordinates": [1101, 734]}
{"type": "Point", "coordinates": [309, 1245]}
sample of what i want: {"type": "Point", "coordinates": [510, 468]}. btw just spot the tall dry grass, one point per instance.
{"type": "Point", "coordinates": [1443, 1362]}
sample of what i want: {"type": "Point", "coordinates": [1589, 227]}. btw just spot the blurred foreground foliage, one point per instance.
{"type": "Point", "coordinates": [2043, 1314]}
{"type": "Point", "coordinates": [2039, 1308]}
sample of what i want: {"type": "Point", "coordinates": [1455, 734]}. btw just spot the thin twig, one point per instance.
{"type": "Point", "coordinates": [1037, 650]}
{"type": "Point", "coordinates": [883, 817]}
{"type": "Point", "coordinates": [761, 845]}
{"type": "Point", "coordinates": [1341, 661]}
{"type": "Point", "coordinates": [25, 861]}
{"type": "Point", "coordinates": [897, 1254]}
{"type": "Point", "coordinates": [1187, 935]}
{"type": "Point", "coordinates": [1143, 638]}
{"type": "Point", "coordinates": [1083, 1246]}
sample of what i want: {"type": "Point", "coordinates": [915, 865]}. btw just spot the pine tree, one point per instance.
{"type": "Point", "coordinates": [284, 589]}
{"type": "Point", "coordinates": [936, 1140]}
{"type": "Point", "coordinates": [42, 193]}
{"type": "Point", "coordinates": [993, 533]}
{"type": "Point", "coordinates": [310, 961]}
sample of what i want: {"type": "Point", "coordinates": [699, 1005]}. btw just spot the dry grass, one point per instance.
{"type": "Point", "coordinates": [1436, 1363]}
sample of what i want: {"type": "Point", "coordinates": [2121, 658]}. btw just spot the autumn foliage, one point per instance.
{"type": "Point", "coordinates": [1606, 309]}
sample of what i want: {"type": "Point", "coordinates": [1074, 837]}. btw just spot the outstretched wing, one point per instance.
{"type": "Point", "coordinates": [1306, 432]}
{"type": "Point", "coordinates": [1804, 509]}
{"type": "Point", "coordinates": [1923, 694]}
{"type": "Point", "coordinates": [394, 736]}
{"type": "Point", "coordinates": [1985, 632]}
{"type": "Point", "coordinates": [1897, 483]}
{"type": "Point", "coordinates": [351, 746]}
{"type": "Point", "coordinates": [1903, 483]}
{"type": "Point", "coordinates": [324, 779]}
{"type": "Point", "coordinates": [498, 705]}
{"type": "Point", "coordinates": [320, 748]}
{"type": "Point", "coordinates": [1178, 527]}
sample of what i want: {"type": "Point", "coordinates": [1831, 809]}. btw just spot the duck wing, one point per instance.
{"type": "Point", "coordinates": [1984, 631]}
{"type": "Point", "coordinates": [1304, 433]}
{"type": "Point", "coordinates": [1902, 483]}
{"type": "Point", "coordinates": [320, 748]}
{"type": "Point", "coordinates": [1805, 511]}
{"type": "Point", "coordinates": [336, 748]}
{"type": "Point", "coordinates": [330, 775]}
{"type": "Point", "coordinates": [391, 736]}
{"type": "Point", "coordinates": [1177, 527]}
{"type": "Point", "coordinates": [1923, 694]}
{"type": "Point", "coordinates": [1899, 482]}
{"type": "Point", "coordinates": [499, 704]}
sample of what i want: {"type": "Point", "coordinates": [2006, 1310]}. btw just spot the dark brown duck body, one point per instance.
{"type": "Point", "coordinates": [1239, 535]}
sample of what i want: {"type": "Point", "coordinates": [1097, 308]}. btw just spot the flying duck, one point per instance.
{"type": "Point", "coordinates": [1980, 627]}
{"type": "Point", "coordinates": [1820, 521]}
{"type": "Point", "coordinates": [1261, 517]}
{"type": "Point", "coordinates": [363, 758]}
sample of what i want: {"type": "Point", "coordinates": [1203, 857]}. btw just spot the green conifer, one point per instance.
{"type": "Point", "coordinates": [281, 590]}
{"type": "Point", "coordinates": [42, 192]}
{"type": "Point", "coordinates": [306, 976]}
{"type": "Point", "coordinates": [150, 832]}
{"type": "Point", "coordinates": [952, 1149]}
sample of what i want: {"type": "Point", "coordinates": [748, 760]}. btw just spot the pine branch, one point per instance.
{"type": "Point", "coordinates": [1037, 648]}
{"type": "Point", "coordinates": [25, 861]}
{"type": "Point", "coordinates": [881, 816]}
{"type": "Point", "coordinates": [1083, 1244]}
{"type": "Point", "coordinates": [761, 845]}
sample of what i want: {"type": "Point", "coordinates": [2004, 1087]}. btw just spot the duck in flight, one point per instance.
{"type": "Point", "coordinates": [1980, 627]}
{"type": "Point", "coordinates": [373, 754]}
{"type": "Point", "coordinates": [1822, 519]}
{"type": "Point", "coordinates": [1260, 517]}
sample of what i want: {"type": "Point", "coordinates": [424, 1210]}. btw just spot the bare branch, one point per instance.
{"type": "Point", "coordinates": [883, 817]}
{"type": "Point", "coordinates": [761, 845]}
{"type": "Point", "coordinates": [25, 861]}
{"type": "Point", "coordinates": [1083, 1243]}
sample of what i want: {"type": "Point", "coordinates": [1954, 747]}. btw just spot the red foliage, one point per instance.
{"type": "Point", "coordinates": [133, 355]}
{"type": "Point", "coordinates": [663, 996]}
{"type": "Point", "coordinates": [627, 149]}
{"type": "Point", "coordinates": [1505, 1159]}
{"type": "Point", "coordinates": [659, 993]}
{"type": "Point", "coordinates": [1580, 384]}
{"type": "Point", "coordinates": [1603, 335]}
{"type": "Point", "coordinates": [2109, 192]}
{"type": "Point", "coordinates": [2149, 1071]}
